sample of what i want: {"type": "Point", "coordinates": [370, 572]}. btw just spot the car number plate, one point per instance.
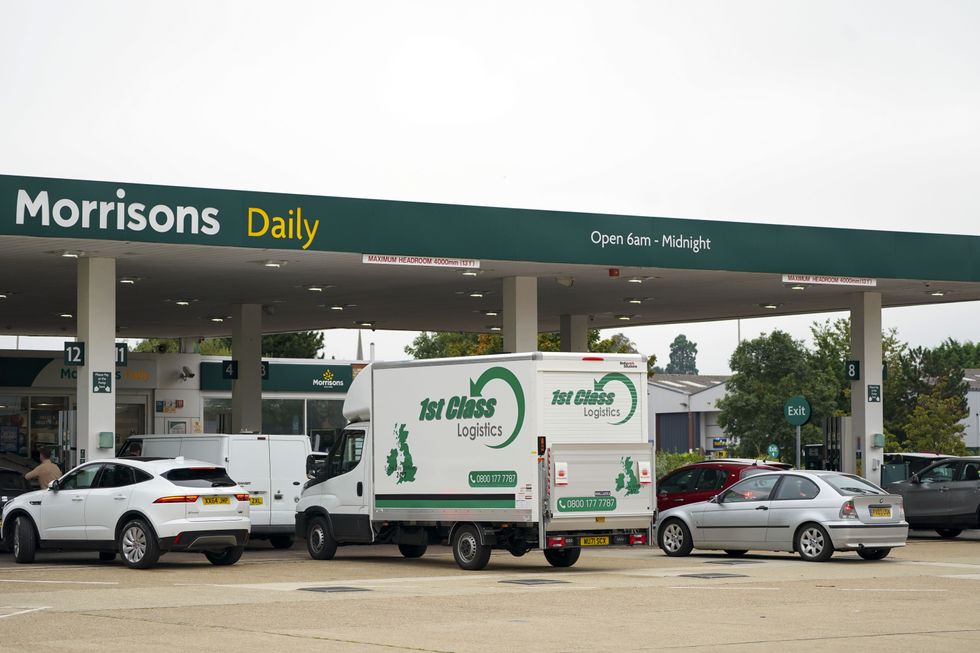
{"type": "Point", "coordinates": [593, 541]}
{"type": "Point", "coordinates": [255, 501]}
{"type": "Point", "coordinates": [217, 501]}
{"type": "Point", "coordinates": [881, 511]}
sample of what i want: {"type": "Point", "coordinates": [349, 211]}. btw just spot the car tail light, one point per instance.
{"type": "Point", "coordinates": [555, 542]}
{"type": "Point", "coordinates": [847, 511]}
{"type": "Point", "coordinates": [638, 538]}
{"type": "Point", "coordinates": [185, 498]}
{"type": "Point", "coordinates": [242, 497]}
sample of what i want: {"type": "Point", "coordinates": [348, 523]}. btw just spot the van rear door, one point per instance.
{"type": "Point", "coordinates": [287, 460]}
{"type": "Point", "coordinates": [248, 464]}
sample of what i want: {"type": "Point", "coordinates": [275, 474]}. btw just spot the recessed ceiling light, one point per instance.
{"type": "Point", "coordinates": [273, 264]}
{"type": "Point", "coordinates": [67, 316]}
{"type": "Point", "coordinates": [315, 288]}
{"type": "Point", "coordinates": [633, 300]}
{"type": "Point", "coordinates": [624, 318]}
{"type": "Point", "coordinates": [470, 273]}
{"type": "Point", "coordinates": [491, 313]}
{"type": "Point", "coordinates": [182, 302]}
{"type": "Point", "coordinates": [128, 280]}
{"type": "Point", "coordinates": [217, 319]}
{"type": "Point", "coordinates": [493, 327]}
{"type": "Point", "coordinates": [476, 294]}
{"type": "Point", "coordinates": [3, 295]}
{"type": "Point", "coordinates": [365, 323]}
{"type": "Point", "coordinates": [338, 307]}
{"type": "Point", "coordinates": [937, 293]}
{"type": "Point", "coordinates": [635, 280]}
{"type": "Point", "coordinates": [770, 306]}
{"type": "Point", "coordinates": [797, 287]}
{"type": "Point", "coordinates": [71, 253]}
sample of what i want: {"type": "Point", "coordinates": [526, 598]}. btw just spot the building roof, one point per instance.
{"type": "Point", "coordinates": [972, 376]}
{"type": "Point", "coordinates": [689, 384]}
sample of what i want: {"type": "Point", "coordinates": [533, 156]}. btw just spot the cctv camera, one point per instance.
{"type": "Point", "coordinates": [186, 372]}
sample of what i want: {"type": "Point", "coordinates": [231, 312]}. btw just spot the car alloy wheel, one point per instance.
{"type": "Point", "coordinates": [673, 537]}
{"type": "Point", "coordinates": [813, 544]}
{"type": "Point", "coordinates": [134, 544]}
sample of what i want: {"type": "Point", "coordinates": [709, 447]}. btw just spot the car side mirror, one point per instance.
{"type": "Point", "coordinates": [54, 485]}
{"type": "Point", "coordinates": [715, 499]}
{"type": "Point", "coordinates": [914, 478]}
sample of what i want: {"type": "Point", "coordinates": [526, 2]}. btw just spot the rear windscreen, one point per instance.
{"type": "Point", "coordinates": [12, 481]}
{"type": "Point", "coordinates": [848, 485]}
{"type": "Point", "coordinates": [199, 477]}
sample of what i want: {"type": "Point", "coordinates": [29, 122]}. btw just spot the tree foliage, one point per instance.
{"type": "Point", "coordinates": [300, 344]}
{"type": "Point", "coordinates": [934, 424]}
{"type": "Point", "coordinates": [766, 372]}
{"type": "Point", "coordinates": [683, 356]}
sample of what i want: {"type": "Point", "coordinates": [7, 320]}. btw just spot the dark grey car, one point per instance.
{"type": "Point", "coordinates": [944, 496]}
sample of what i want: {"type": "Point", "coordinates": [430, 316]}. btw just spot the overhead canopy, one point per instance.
{"type": "Point", "coordinates": [216, 248]}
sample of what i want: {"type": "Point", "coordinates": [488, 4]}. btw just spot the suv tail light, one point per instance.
{"type": "Point", "coordinates": [184, 498]}
{"type": "Point", "coordinates": [847, 511]}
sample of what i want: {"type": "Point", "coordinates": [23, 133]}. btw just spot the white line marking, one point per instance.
{"type": "Point", "coordinates": [22, 611]}
{"type": "Point", "coordinates": [59, 582]}
{"type": "Point", "coordinates": [872, 589]}
{"type": "Point", "coordinates": [963, 576]}
{"type": "Point", "coordinates": [722, 587]}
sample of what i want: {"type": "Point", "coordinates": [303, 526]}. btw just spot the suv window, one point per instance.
{"type": "Point", "coordinates": [796, 487]}
{"type": "Point", "coordinates": [12, 481]}
{"type": "Point", "coordinates": [114, 475]}
{"type": "Point", "coordinates": [199, 477]}
{"type": "Point", "coordinates": [681, 481]}
{"type": "Point", "coordinates": [80, 479]}
{"type": "Point", "coordinates": [939, 473]}
{"type": "Point", "coordinates": [755, 488]}
{"type": "Point", "coordinates": [971, 472]}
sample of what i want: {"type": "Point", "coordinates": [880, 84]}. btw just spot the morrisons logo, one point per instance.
{"type": "Point", "coordinates": [327, 380]}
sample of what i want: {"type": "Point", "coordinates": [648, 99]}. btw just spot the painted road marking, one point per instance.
{"type": "Point", "coordinates": [59, 582]}
{"type": "Point", "coordinates": [19, 610]}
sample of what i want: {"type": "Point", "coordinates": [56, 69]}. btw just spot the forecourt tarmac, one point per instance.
{"type": "Point", "coordinates": [923, 597]}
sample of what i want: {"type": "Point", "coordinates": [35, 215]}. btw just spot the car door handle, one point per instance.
{"type": "Point", "coordinates": [78, 499]}
{"type": "Point", "coordinates": [119, 498]}
{"type": "Point", "coordinates": [360, 489]}
{"type": "Point", "coordinates": [295, 482]}
{"type": "Point", "coordinates": [944, 489]}
{"type": "Point", "coordinates": [277, 496]}
{"type": "Point", "coordinates": [762, 508]}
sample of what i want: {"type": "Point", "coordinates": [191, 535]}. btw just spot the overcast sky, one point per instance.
{"type": "Point", "coordinates": [832, 113]}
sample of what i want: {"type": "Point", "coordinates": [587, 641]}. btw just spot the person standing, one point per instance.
{"type": "Point", "coordinates": [46, 472]}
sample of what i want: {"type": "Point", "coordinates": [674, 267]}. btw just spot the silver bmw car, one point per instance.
{"type": "Point", "coordinates": [813, 513]}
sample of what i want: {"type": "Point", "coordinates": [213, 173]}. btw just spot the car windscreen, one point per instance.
{"type": "Point", "coordinates": [12, 481]}
{"type": "Point", "coordinates": [847, 485]}
{"type": "Point", "coordinates": [199, 477]}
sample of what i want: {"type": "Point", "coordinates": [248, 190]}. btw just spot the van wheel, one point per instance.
{"type": "Point", "coordinates": [562, 557]}
{"type": "Point", "coordinates": [319, 543]}
{"type": "Point", "coordinates": [813, 544]}
{"type": "Point", "coordinates": [412, 550]}
{"type": "Point", "coordinates": [138, 545]}
{"type": "Point", "coordinates": [467, 550]}
{"type": "Point", "coordinates": [25, 542]}
{"type": "Point", "coordinates": [229, 556]}
{"type": "Point", "coordinates": [281, 541]}
{"type": "Point", "coordinates": [948, 533]}
{"type": "Point", "coordinates": [874, 554]}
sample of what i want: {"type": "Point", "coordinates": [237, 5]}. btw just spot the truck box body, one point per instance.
{"type": "Point", "coordinates": [549, 443]}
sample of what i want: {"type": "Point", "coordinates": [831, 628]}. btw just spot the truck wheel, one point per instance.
{"type": "Point", "coordinates": [138, 545]}
{"type": "Point", "coordinates": [281, 541]}
{"type": "Point", "coordinates": [469, 553]}
{"type": "Point", "coordinates": [562, 557]}
{"type": "Point", "coordinates": [412, 550]}
{"type": "Point", "coordinates": [948, 533]}
{"type": "Point", "coordinates": [229, 556]}
{"type": "Point", "coordinates": [674, 538]}
{"type": "Point", "coordinates": [319, 543]}
{"type": "Point", "coordinates": [25, 543]}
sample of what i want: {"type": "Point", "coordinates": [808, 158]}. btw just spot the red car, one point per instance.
{"type": "Point", "coordinates": [701, 481]}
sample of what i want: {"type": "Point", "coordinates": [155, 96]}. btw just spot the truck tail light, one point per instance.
{"type": "Point", "coordinates": [593, 358]}
{"type": "Point", "coordinates": [638, 539]}
{"type": "Point", "coordinates": [555, 542]}
{"type": "Point", "coordinates": [847, 511]}
{"type": "Point", "coordinates": [242, 497]}
{"type": "Point", "coordinates": [185, 498]}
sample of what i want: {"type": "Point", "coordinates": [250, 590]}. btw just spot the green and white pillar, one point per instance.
{"type": "Point", "coordinates": [96, 327]}
{"type": "Point", "coordinates": [520, 314]}
{"type": "Point", "coordinates": [246, 348]}
{"type": "Point", "coordinates": [867, 416]}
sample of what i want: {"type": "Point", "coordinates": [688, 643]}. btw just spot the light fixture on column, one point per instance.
{"type": "Point", "coordinates": [566, 281]}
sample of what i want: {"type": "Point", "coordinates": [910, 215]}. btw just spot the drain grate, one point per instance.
{"type": "Point", "coordinates": [333, 588]}
{"type": "Point", "coordinates": [713, 575]}
{"type": "Point", "coordinates": [535, 581]}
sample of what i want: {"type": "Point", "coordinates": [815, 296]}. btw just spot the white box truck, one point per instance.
{"type": "Point", "coordinates": [271, 467]}
{"type": "Point", "coordinates": [512, 452]}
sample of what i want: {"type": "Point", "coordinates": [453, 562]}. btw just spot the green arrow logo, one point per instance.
{"type": "Point", "coordinates": [622, 378]}
{"type": "Point", "coordinates": [502, 373]}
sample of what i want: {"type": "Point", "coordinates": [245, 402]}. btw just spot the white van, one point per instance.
{"type": "Point", "coordinates": [271, 467]}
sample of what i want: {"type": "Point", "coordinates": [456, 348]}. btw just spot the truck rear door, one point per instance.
{"type": "Point", "coordinates": [598, 487]}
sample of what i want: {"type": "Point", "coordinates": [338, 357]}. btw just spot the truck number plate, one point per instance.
{"type": "Point", "coordinates": [594, 541]}
{"type": "Point", "coordinates": [255, 501]}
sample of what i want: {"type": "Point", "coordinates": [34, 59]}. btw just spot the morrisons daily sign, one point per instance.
{"type": "Point", "coordinates": [64, 208]}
